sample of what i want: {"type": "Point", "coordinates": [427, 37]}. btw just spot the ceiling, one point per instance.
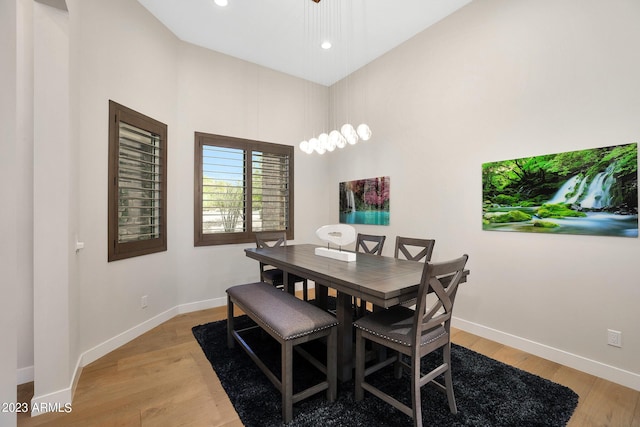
{"type": "Point", "coordinates": [285, 35]}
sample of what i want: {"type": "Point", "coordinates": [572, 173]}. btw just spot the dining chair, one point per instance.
{"type": "Point", "coordinates": [270, 274]}
{"type": "Point", "coordinates": [413, 249]}
{"type": "Point", "coordinates": [412, 334]}
{"type": "Point", "coordinates": [369, 244]}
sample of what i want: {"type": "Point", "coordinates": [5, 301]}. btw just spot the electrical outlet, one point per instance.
{"type": "Point", "coordinates": [143, 301]}
{"type": "Point", "coordinates": [614, 338]}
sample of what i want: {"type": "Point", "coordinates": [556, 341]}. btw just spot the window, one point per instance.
{"type": "Point", "coordinates": [137, 184]}
{"type": "Point", "coordinates": [241, 187]}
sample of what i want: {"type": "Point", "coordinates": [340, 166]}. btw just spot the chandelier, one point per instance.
{"type": "Point", "coordinates": [336, 139]}
{"type": "Point", "coordinates": [347, 134]}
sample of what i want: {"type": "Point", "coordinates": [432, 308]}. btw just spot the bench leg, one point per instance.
{"type": "Point", "coordinates": [332, 364]}
{"type": "Point", "coordinates": [287, 381]}
{"type": "Point", "coordinates": [360, 360]}
{"type": "Point", "coordinates": [230, 340]}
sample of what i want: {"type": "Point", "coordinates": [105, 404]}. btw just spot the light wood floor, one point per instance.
{"type": "Point", "coordinates": [162, 378]}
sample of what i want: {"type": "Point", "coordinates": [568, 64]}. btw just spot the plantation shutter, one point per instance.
{"type": "Point", "coordinates": [137, 208]}
{"type": "Point", "coordinates": [270, 191]}
{"type": "Point", "coordinates": [139, 185]}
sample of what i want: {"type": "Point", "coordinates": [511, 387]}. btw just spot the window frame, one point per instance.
{"type": "Point", "coordinates": [248, 146]}
{"type": "Point", "coordinates": [123, 250]}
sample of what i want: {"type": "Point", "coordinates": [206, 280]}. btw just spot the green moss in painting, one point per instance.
{"type": "Point", "coordinates": [505, 200]}
{"type": "Point", "coordinates": [545, 224]}
{"type": "Point", "coordinates": [512, 216]}
{"type": "Point", "coordinates": [558, 210]}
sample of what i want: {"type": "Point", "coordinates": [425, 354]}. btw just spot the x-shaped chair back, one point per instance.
{"type": "Point", "coordinates": [370, 244]}
{"type": "Point", "coordinates": [275, 276]}
{"type": "Point", "coordinates": [408, 246]}
{"type": "Point", "coordinates": [271, 239]}
{"type": "Point", "coordinates": [441, 279]}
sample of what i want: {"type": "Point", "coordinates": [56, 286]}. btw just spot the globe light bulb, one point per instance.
{"type": "Point", "coordinates": [313, 144]}
{"type": "Point", "coordinates": [342, 142]}
{"type": "Point", "coordinates": [349, 133]}
{"type": "Point", "coordinates": [304, 146]}
{"type": "Point", "coordinates": [324, 140]}
{"type": "Point", "coordinates": [364, 132]}
{"type": "Point", "coordinates": [336, 138]}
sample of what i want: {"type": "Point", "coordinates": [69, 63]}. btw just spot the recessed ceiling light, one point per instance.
{"type": "Point", "coordinates": [221, 3]}
{"type": "Point", "coordinates": [326, 45]}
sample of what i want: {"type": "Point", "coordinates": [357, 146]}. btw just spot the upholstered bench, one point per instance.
{"type": "Point", "coordinates": [290, 321]}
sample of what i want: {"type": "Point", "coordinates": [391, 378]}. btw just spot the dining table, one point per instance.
{"type": "Point", "coordinates": [381, 280]}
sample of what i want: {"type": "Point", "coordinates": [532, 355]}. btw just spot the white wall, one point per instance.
{"type": "Point", "coordinates": [53, 218]}
{"type": "Point", "coordinates": [500, 80]}
{"type": "Point", "coordinates": [24, 183]}
{"type": "Point", "coordinates": [9, 194]}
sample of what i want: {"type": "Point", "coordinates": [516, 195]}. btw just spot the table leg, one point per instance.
{"type": "Point", "coordinates": [288, 287]}
{"type": "Point", "coordinates": [322, 296]}
{"type": "Point", "coordinates": [345, 336]}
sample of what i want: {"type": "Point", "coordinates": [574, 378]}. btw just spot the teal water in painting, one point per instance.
{"type": "Point", "coordinates": [595, 223]}
{"type": "Point", "coordinates": [365, 217]}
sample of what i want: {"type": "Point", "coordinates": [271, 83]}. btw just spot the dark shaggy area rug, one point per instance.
{"type": "Point", "coordinates": [488, 392]}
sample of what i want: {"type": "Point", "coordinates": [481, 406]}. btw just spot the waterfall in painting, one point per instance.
{"type": "Point", "coordinates": [588, 195]}
{"type": "Point", "coordinates": [351, 201]}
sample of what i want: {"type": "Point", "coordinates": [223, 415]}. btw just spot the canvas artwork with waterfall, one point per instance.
{"type": "Point", "coordinates": [365, 201]}
{"type": "Point", "coordinates": [593, 191]}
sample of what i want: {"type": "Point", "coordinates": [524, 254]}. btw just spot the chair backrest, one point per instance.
{"type": "Point", "coordinates": [271, 239]}
{"type": "Point", "coordinates": [370, 244]}
{"type": "Point", "coordinates": [407, 246]}
{"type": "Point", "coordinates": [442, 280]}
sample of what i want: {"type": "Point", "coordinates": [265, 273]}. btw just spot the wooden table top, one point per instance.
{"type": "Point", "coordinates": [381, 280]}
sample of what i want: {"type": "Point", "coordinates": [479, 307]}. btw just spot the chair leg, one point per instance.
{"type": "Point", "coordinates": [360, 358]}
{"type": "Point", "coordinates": [287, 382]}
{"type": "Point", "coordinates": [230, 340]}
{"type": "Point", "coordinates": [397, 366]}
{"type": "Point", "coordinates": [416, 401]}
{"type": "Point", "coordinates": [448, 380]}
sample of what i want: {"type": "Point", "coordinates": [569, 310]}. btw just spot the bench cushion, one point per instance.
{"type": "Point", "coordinates": [287, 316]}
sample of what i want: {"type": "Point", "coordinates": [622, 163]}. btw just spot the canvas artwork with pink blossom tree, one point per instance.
{"type": "Point", "coordinates": [365, 201]}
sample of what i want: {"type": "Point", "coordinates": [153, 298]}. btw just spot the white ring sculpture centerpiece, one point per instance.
{"type": "Point", "coordinates": [340, 235]}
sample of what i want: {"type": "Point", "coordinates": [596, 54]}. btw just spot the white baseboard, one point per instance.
{"type": "Point", "coordinates": [598, 369]}
{"type": "Point", "coordinates": [25, 375]}
{"type": "Point", "coordinates": [202, 305]}
{"type": "Point", "coordinates": [58, 401]}
{"type": "Point", "coordinates": [119, 340]}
